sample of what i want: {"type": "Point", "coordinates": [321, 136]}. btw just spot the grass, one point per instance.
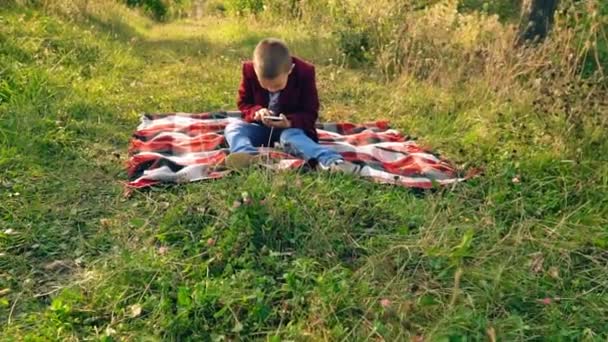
{"type": "Point", "coordinates": [519, 253]}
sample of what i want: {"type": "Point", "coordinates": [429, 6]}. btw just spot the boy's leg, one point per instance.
{"type": "Point", "coordinates": [295, 141]}
{"type": "Point", "coordinates": [245, 137]}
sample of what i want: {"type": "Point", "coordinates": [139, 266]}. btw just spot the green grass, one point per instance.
{"type": "Point", "coordinates": [313, 256]}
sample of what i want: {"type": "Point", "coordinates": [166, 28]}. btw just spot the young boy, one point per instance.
{"type": "Point", "coordinates": [275, 84]}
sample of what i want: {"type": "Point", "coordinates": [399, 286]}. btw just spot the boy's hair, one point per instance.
{"type": "Point", "coordinates": [271, 58]}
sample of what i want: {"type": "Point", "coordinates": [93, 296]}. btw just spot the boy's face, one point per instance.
{"type": "Point", "coordinates": [276, 84]}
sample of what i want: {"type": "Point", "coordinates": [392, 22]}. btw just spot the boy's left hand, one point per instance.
{"type": "Point", "coordinates": [284, 123]}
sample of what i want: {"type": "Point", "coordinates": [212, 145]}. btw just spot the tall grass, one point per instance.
{"type": "Point", "coordinates": [446, 44]}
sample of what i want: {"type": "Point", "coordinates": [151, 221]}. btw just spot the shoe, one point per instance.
{"type": "Point", "coordinates": [341, 165]}
{"type": "Point", "coordinates": [241, 160]}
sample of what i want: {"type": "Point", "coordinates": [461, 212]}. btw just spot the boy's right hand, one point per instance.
{"type": "Point", "coordinates": [260, 114]}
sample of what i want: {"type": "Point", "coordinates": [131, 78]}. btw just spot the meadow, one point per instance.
{"type": "Point", "coordinates": [518, 253]}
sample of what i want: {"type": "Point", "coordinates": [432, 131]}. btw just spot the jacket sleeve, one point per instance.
{"type": "Point", "coordinates": [306, 116]}
{"type": "Point", "coordinates": [245, 100]}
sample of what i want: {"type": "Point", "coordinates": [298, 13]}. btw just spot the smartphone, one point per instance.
{"type": "Point", "coordinates": [273, 118]}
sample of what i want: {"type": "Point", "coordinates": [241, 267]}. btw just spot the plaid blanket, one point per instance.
{"type": "Point", "coordinates": [185, 147]}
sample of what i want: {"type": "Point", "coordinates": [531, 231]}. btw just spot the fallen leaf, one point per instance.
{"type": "Point", "coordinates": [135, 310]}
{"type": "Point", "coordinates": [110, 331]}
{"type": "Point", "coordinates": [537, 262]}
{"type": "Point", "coordinates": [554, 272]}
{"type": "Point", "coordinates": [57, 265]}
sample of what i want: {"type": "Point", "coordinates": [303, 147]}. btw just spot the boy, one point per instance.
{"type": "Point", "coordinates": [279, 102]}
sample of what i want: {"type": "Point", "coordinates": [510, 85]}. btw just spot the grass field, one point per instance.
{"type": "Point", "coordinates": [519, 253]}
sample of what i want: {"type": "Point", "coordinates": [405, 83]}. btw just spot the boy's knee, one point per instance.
{"type": "Point", "coordinates": [234, 126]}
{"type": "Point", "coordinates": [288, 135]}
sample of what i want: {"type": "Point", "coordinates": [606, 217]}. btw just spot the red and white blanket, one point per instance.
{"type": "Point", "coordinates": [185, 147]}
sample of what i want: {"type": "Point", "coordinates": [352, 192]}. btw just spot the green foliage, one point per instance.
{"type": "Point", "coordinates": [590, 24]}
{"type": "Point", "coordinates": [244, 7]}
{"type": "Point", "coordinates": [354, 44]}
{"type": "Point", "coordinates": [507, 10]}
{"type": "Point", "coordinates": [160, 9]}
{"type": "Point", "coordinates": [518, 252]}
{"type": "Point", "coordinates": [214, 7]}
{"type": "Point", "coordinates": [157, 8]}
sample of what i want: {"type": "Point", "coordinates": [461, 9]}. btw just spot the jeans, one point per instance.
{"type": "Point", "coordinates": [245, 137]}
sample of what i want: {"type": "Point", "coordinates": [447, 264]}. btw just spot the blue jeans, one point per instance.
{"type": "Point", "coordinates": [245, 137]}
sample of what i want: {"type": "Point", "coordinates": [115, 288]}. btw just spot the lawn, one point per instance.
{"type": "Point", "coordinates": [519, 253]}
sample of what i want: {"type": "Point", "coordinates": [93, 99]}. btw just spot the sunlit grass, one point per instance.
{"type": "Point", "coordinates": [519, 251]}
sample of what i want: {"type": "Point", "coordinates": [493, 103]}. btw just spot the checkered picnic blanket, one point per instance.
{"type": "Point", "coordinates": [186, 147]}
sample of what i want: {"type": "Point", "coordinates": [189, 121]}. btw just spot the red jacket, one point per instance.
{"type": "Point", "coordinates": [298, 101]}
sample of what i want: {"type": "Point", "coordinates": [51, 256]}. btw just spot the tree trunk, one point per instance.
{"type": "Point", "coordinates": [537, 20]}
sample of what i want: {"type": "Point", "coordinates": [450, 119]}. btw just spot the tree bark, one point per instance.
{"type": "Point", "coordinates": [537, 20]}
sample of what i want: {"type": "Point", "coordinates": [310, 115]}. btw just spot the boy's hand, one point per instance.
{"type": "Point", "coordinates": [284, 123]}
{"type": "Point", "coordinates": [260, 114]}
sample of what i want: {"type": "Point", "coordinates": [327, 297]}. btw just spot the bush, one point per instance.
{"type": "Point", "coordinates": [505, 9]}
{"type": "Point", "coordinates": [156, 8]}
{"type": "Point", "coordinates": [160, 10]}
{"type": "Point", "coordinates": [214, 7]}
{"type": "Point", "coordinates": [354, 44]}
{"type": "Point", "coordinates": [244, 7]}
{"type": "Point", "coordinates": [590, 23]}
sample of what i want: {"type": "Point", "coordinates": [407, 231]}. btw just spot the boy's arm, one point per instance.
{"type": "Point", "coordinates": [245, 100]}
{"type": "Point", "coordinates": [306, 117]}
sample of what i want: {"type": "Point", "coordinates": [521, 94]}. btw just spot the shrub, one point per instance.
{"type": "Point", "coordinates": [214, 7]}
{"type": "Point", "coordinates": [505, 9]}
{"type": "Point", "coordinates": [157, 8]}
{"type": "Point", "coordinates": [244, 7]}
{"type": "Point", "coordinates": [160, 9]}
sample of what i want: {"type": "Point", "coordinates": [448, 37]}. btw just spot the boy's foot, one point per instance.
{"type": "Point", "coordinates": [342, 165]}
{"type": "Point", "coordinates": [241, 160]}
